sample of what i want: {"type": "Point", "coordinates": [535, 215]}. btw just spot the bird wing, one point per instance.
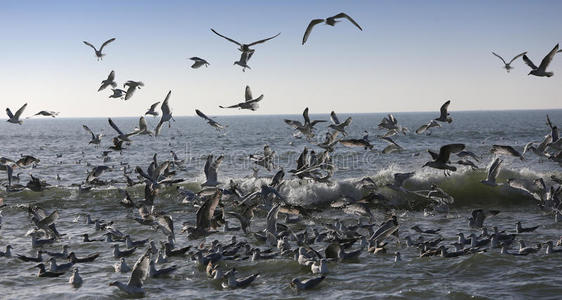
{"type": "Point", "coordinates": [272, 219]}
{"type": "Point", "coordinates": [89, 130]}
{"type": "Point", "coordinates": [166, 224]}
{"type": "Point", "coordinates": [93, 47]}
{"type": "Point", "coordinates": [292, 123]}
{"type": "Point", "coordinates": [517, 56]}
{"type": "Point", "coordinates": [20, 111]}
{"type": "Point", "coordinates": [207, 210]}
{"type": "Point", "coordinates": [529, 62]}
{"type": "Point", "coordinates": [446, 151]}
{"type": "Point", "coordinates": [494, 169]}
{"type": "Point", "coordinates": [248, 94]}
{"type": "Point", "coordinates": [142, 124]}
{"type": "Point", "coordinates": [258, 99]}
{"type": "Point", "coordinates": [334, 118]}
{"type": "Point", "coordinates": [111, 76]}
{"type": "Point", "coordinates": [501, 57]}
{"type": "Point", "coordinates": [227, 38]}
{"type": "Point", "coordinates": [344, 15]}
{"type": "Point", "coordinates": [158, 128]}
{"type": "Point", "coordinates": [309, 29]}
{"type": "Point", "coordinates": [114, 126]}
{"type": "Point", "coordinates": [505, 150]}
{"type": "Point", "coordinates": [9, 112]}
{"type": "Point", "coordinates": [232, 106]}
{"type": "Point", "coordinates": [106, 43]}
{"type": "Point", "coordinates": [548, 58]}
{"type": "Point", "coordinates": [153, 106]}
{"type": "Point", "coordinates": [202, 115]}
{"type": "Point", "coordinates": [140, 271]}
{"type": "Point", "coordinates": [444, 108]}
{"type": "Point", "coordinates": [165, 107]}
{"type": "Point", "coordinates": [264, 40]}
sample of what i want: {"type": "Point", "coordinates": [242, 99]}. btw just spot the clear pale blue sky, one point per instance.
{"type": "Point", "coordinates": [411, 55]}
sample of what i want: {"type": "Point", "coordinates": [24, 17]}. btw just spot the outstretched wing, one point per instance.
{"type": "Point", "coordinates": [548, 58]}
{"type": "Point", "coordinates": [114, 126]}
{"type": "Point", "coordinates": [445, 151]}
{"type": "Point", "coordinates": [89, 130]}
{"type": "Point", "coordinates": [444, 109]}
{"type": "Point", "coordinates": [9, 112]}
{"type": "Point", "coordinates": [140, 271]}
{"type": "Point", "coordinates": [248, 94]}
{"type": "Point", "coordinates": [202, 115]}
{"type": "Point", "coordinates": [343, 15]}
{"type": "Point", "coordinates": [334, 118]}
{"type": "Point", "coordinates": [529, 62]}
{"type": "Point", "coordinates": [20, 111]}
{"type": "Point", "coordinates": [106, 43]}
{"type": "Point", "coordinates": [264, 40]}
{"type": "Point", "coordinates": [305, 116]}
{"type": "Point", "coordinates": [502, 57]}
{"type": "Point", "coordinates": [517, 56]}
{"type": "Point", "coordinates": [88, 44]}
{"type": "Point", "coordinates": [227, 38]}
{"type": "Point", "coordinates": [309, 29]}
{"type": "Point", "coordinates": [153, 106]}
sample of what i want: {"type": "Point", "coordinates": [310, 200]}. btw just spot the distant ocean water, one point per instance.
{"type": "Point", "coordinates": [62, 146]}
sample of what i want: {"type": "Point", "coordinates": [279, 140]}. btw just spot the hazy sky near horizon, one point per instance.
{"type": "Point", "coordinates": [410, 56]}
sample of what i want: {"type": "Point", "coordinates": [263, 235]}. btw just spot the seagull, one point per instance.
{"type": "Point", "coordinates": [109, 81]}
{"type": "Point", "coordinates": [478, 217]}
{"type": "Point", "coordinates": [152, 110]}
{"type": "Point", "coordinates": [307, 128]}
{"type": "Point", "coordinates": [540, 71]}
{"type": "Point", "coordinates": [75, 280]}
{"type": "Point", "coordinates": [143, 128]}
{"type": "Point", "coordinates": [328, 21]}
{"type": "Point", "coordinates": [99, 53]}
{"type": "Point", "coordinates": [132, 86]}
{"type": "Point", "coordinates": [508, 66]}
{"type": "Point", "coordinates": [427, 126]}
{"type": "Point", "coordinates": [399, 179]}
{"type": "Point", "coordinates": [441, 160]}
{"type": "Point", "coordinates": [44, 273]}
{"type": "Point", "coordinates": [46, 113]}
{"type": "Point", "coordinates": [338, 126]}
{"type": "Point", "coordinates": [245, 48]}
{"type": "Point", "coordinates": [493, 172]}
{"type": "Point", "coordinates": [520, 229]}
{"type": "Point", "coordinates": [121, 266]}
{"type": "Point", "coordinates": [209, 120]}
{"type": "Point", "coordinates": [166, 114]}
{"type": "Point", "coordinates": [243, 61]}
{"type": "Point", "coordinates": [121, 136]}
{"type": "Point", "coordinates": [96, 138]}
{"type": "Point", "coordinates": [205, 216]}
{"type": "Point", "coordinates": [95, 173]}
{"type": "Point", "coordinates": [211, 168]}
{"type": "Point", "coordinates": [507, 150]}
{"type": "Point", "coordinates": [444, 117]}
{"type": "Point", "coordinates": [117, 93]}
{"type": "Point", "coordinates": [15, 119]}
{"type": "Point", "coordinates": [249, 103]}
{"type": "Point", "coordinates": [233, 283]}
{"type": "Point", "coordinates": [198, 62]}
{"type": "Point", "coordinates": [391, 124]}
{"type": "Point", "coordinates": [306, 284]}
{"type": "Point", "coordinates": [140, 272]}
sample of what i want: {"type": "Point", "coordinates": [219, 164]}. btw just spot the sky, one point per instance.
{"type": "Point", "coordinates": [410, 56]}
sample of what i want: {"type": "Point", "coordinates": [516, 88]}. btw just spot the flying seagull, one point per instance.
{"type": "Point", "coordinates": [198, 62]}
{"type": "Point", "coordinates": [99, 53]}
{"type": "Point", "coordinates": [117, 93]}
{"type": "Point", "coordinates": [139, 274]}
{"type": "Point", "coordinates": [46, 113]}
{"type": "Point", "coordinates": [96, 138]}
{"type": "Point", "coordinates": [493, 172]}
{"type": "Point", "coordinates": [441, 160]}
{"type": "Point", "coordinates": [152, 110]}
{"type": "Point", "coordinates": [132, 86]}
{"type": "Point", "coordinates": [339, 126]}
{"type": "Point", "coordinates": [243, 62]}
{"type": "Point", "coordinates": [444, 117]}
{"type": "Point", "coordinates": [540, 71]}
{"type": "Point", "coordinates": [15, 119]}
{"type": "Point", "coordinates": [209, 120]}
{"type": "Point", "coordinates": [121, 136]}
{"type": "Point", "coordinates": [246, 47]}
{"type": "Point", "coordinates": [329, 21]}
{"type": "Point", "coordinates": [508, 66]}
{"type": "Point", "coordinates": [109, 81]}
{"type": "Point", "coordinates": [506, 150]}
{"type": "Point", "coordinates": [307, 128]}
{"type": "Point", "coordinates": [249, 103]}
{"type": "Point", "coordinates": [166, 114]}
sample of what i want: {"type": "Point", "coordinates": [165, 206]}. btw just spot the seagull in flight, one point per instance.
{"type": "Point", "coordinates": [243, 62]}
{"type": "Point", "coordinates": [99, 53]}
{"type": "Point", "coordinates": [329, 21]}
{"type": "Point", "coordinates": [166, 114]}
{"type": "Point", "coordinates": [121, 136]}
{"type": "Point", "coordinates": [15, 119]}
{"type": "Point", "coordinates": [507, 65]}
{"type": "Point", "coordinates": [109, 81]}
{"type": "Point", "coordinates": [307, 128]}
{"type": "Point", "coordinates": [46, 113]}
{"type": "Point", "coordinates": [250, 103]}
{"type": "Point", "coordinates": [132, 86]}
{"type": "Point", "coordinates": [246, 47]}
{"type": "Point", "coordinates": [211, 170]}
{"type": "Point", "coordinates": [441, 160]}
{"type": "Point", "coordinates": [152, 110]}
{"type": "Point", "coordinates": [198, 62]}
{"type": "Point", "coordinates": [96, 138]}
{"type": "Point", "coordinates": [209, 120]}
{"type": "Point", "coordinates": [444, 117]}
{"type": "Point", "coordinates": [118, 93]}
{"type": "Point", "coordinates": [339, 126]}
{"type": "Point", "coordinates": [493, 172]}
{"type": "Point", "coordinates": [540, 71]}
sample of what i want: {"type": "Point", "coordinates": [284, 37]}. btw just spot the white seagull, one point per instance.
{"type": "Point", "coordinates": [540, 71]}
{"type": "Point", "coordinates": [166, 114]}
{"type": "Point", "coordinates": [249, 103]}
{"type": "Point", "coordinates": [15, 119]}
{"type": "Point", "coordinates": [109, 81]}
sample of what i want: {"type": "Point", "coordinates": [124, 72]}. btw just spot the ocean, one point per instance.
{"type": "Point", "coordinates": [66, 157]}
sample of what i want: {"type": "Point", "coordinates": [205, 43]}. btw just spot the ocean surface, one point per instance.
{"type": "Point", "coordinates": [62, 147]}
